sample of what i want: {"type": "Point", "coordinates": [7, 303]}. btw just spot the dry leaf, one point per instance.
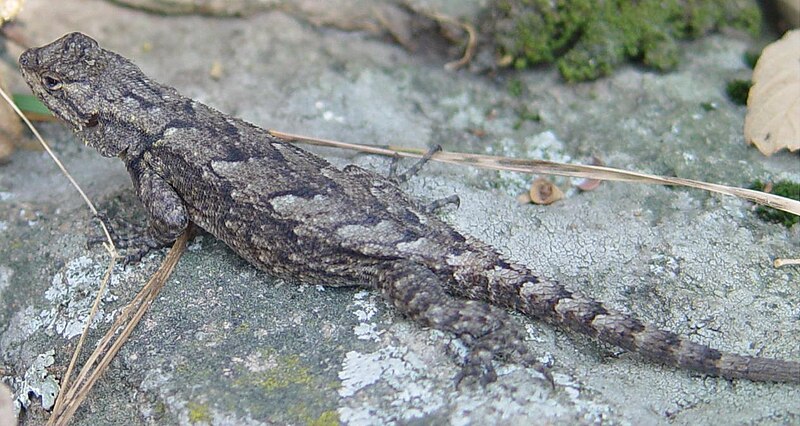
{"type": "Point", "coordinates": [7, 417]}
{"type": "Point", "coordinates": [10, 129]}
{"type": "Point", "coordinates": [9, 10]}
{"type": "Point", "coordinates": [216, 70]}
{"type": "Point", "coordinates": [773, 105]}
{"type": "Point", "coordinates": [544, 192]}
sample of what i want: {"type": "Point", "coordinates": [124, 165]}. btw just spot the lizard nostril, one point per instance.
{"type": "Point", "coordinates": [27, 58]}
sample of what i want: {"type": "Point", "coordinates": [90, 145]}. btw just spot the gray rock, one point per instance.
{"type": "Point", "coordinates": [225, 344]}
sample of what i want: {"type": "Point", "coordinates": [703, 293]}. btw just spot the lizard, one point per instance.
{"type": "Point", "coordinates": [295, 216]}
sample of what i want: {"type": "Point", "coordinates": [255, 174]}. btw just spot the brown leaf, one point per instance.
{"type": "Point", "coordinates": [9, 10]}
{"type": "Point", "coordinates": [10, 129]}
{"type": "Point", "coordinates": [544, 192]}
{"type": "Point", "coordinates": [772, 122]}
{"type": "Point", "coordinates": [7, 417]}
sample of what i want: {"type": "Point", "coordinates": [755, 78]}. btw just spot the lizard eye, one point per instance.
{"type": "Point", "coordinates": [51, 82]}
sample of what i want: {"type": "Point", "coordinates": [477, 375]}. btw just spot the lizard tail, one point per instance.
{"type": "Point", "coordinates": [553, 303]}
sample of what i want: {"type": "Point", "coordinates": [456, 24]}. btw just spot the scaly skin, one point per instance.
{"type": "Point", "coordinates": [294, 215]}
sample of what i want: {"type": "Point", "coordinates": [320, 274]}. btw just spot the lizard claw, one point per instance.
{"type": "Point", "coordinates": [96, 239]}
{"type": "Point", "coordinates": [136, 242]}
{"type": "Point", "coordinates": [133, 258]}
{"type": "Point", "coordinates": [528, 361]}
{"type": "Point", "coordinates": [478, 366]}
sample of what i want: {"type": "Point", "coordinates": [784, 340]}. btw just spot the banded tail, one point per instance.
{"type": "Point", "coordinates": [553, 303]}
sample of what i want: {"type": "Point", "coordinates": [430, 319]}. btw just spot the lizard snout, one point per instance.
{"type": "Point", "coordinates": [28, 59]}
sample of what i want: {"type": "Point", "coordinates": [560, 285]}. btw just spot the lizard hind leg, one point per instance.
{"type": "Point", "coordinates": [412, 171]}
{"type": "Point", "coordinates": [435, 205]}
{"type": "Point", "coordinates": [487, 331]}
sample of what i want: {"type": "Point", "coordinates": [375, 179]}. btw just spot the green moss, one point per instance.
{"type": "Point", "coordinates": [160, 409]}
{"type": "Point", "coordinates": [783, 188]}
{"type": "Point", "coordinates": [588, 39]}
{"type": "Point", "coordinates": [198, 413]}
{"type": "Point", "coordinates": [327, 418]}
{"type": "Point", "coordinates": [302, 414]}
{"type": "Point", "coordinates": [539, 29]}
{"type": "Point", "coordinates": [289, 371]}
{"type": "Point", "coordinates": [286, 381]}
{"type": "Point", "coordinates": [708, 106]}
{"type": "Point", "coordinates": [750, 58]}
{"type": "Point", "coordinates": [738, 91]}
{"type": "Point", "coordinates": [525, 114]}
{"type": "Point", "coordinates": [515, 88]}
{"type": "Point", "coordinates": [242, 328]}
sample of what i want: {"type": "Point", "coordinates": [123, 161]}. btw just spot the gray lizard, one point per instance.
{"type": "Point", "coordinates": [294, 215]}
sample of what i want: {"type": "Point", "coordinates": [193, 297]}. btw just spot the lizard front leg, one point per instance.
{"type": "Point", "coordinates": [167, 216]}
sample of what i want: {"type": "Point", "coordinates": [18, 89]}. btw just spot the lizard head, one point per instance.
{"type": "Point", "coordinates": [63, 75]}
{"type": "Point", "coordinates": [86, 85]}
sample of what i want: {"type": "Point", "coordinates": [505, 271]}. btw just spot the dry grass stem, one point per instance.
{"type": "Point", "coordinates": [74, 359]}
{"type": "Point", "coordinates": [472, 40]}
{"type": "Point", "coordinates": [785, 262]}
{"type": "Point", "coordinates": [561, 169]}
{"type": "Point", "coordinates": [109, 244]}
{"type": "Point", "coordinates": [108, 347]}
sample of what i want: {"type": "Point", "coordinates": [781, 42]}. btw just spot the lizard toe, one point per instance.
{"type": "Point", "coordinates": [478, 368]}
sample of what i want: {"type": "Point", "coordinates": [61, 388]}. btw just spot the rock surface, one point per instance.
{"type": "Point", "coordinates": [226, 344]}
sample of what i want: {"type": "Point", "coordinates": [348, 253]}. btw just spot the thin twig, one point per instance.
{"type": "Point", "coordinates": [110, 346]}
{"type": "Point", "coordinates": [110, 243]}
{"type": "Point", "coordinates": [561, 169]}
{"type": "Point", "coordinates": [95, 307]}
{"type": "Point", "coordinates": [785, 262]}
{"type": "Point", "coordinates": [472, 40]}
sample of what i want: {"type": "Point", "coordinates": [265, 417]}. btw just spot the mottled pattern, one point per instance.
{"type": "Point", "coordinates": [294, 215]}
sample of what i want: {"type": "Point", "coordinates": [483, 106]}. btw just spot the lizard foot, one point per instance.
{"type": "Point", "coordinates": [478, 367]}
{"type": "Point", "coordinates": [118, 238]}
{"type": "Point", "coordinates": [504, 342]}
{"type": "Point", "coordinates": [136, 241]}
{"type": "Point", "coordinates": [487, 331]}
{"type": "Point", "coordinates": [435, 205]}
{"type": "Point", "coordinates": [138, 247]}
